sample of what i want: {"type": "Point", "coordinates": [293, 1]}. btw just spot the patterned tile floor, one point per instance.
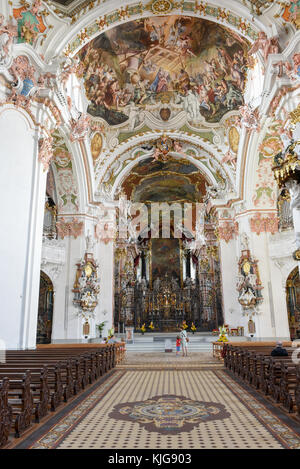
{"type": "Point", "coordinates": [192, 405]}
{"type": "Point", "coordinates": [169, 361]}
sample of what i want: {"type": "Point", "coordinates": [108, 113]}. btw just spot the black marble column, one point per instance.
{"type": "Point", "coordinates": [144, 274]}
{"type": "Point", "coordinates": [188, 264]}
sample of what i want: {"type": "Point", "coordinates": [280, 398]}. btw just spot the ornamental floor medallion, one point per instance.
{"type": "Point", "coordinates": [169, 414]}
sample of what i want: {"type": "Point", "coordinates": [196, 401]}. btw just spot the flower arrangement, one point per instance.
{"type": "Point", "coordinates": [184, 325]}
{"type": "Point", "coordinates": [143, 328]}
{"type": "Point", "coordinates": [193, 328]}
{"type": "Point", "coordinates": [151, 326]}
{"type": "Point", "coordinates": [222, 336]}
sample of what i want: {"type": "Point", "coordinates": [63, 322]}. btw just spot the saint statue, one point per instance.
{"type": "Point", "coordinates": [89, 243]}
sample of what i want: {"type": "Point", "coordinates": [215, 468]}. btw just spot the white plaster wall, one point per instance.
{"type": "Point", "coordinates": [279, 299]}
{"type": "Point", "coordinates": [67, 325]}
{"type": "Point", "coordinates": [281, 247]}
{"type": "Point", "coordinates": [22, 189]}
{"type": "Point", "coordinates": [105, 258]}
{"type": "Point", "coordinates": [272, 321]}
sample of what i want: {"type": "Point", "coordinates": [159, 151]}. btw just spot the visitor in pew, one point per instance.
{"type": "Point", "coordinates": [104, 341]}
{"type": "Point", "coordinates": [279, 351]}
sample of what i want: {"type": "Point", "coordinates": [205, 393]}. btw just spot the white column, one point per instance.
{"type": "Point", "coordinates": [272, 320]}
{"type": "Point", "coordinates": [232, 310]}
{"type": "Point", "coordinates": [22, 191]}
{"type": "Point", "coordinates": [105, 309]}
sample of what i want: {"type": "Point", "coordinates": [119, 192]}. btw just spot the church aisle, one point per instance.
{"type": "Point", "coordinates": [166, 405]}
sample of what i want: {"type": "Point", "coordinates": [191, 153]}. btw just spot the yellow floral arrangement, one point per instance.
{"type": "Point", "coordinates": [193, 327]}
{"type": "Point", "coordinates": [151, 326]}
{"type": "Point", "coordinates": [184, 325]}
{"type": "Point", "coordinates": [222, 337]}
{"type": "Point", "coordinates": [143, 328]}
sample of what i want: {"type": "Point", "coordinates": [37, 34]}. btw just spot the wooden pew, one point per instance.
{"type": "Point", "coordinates": [288, 385]}
{"type": "Point", "coordinates": [297, 391]}
{"type": "Point", "coordinates": [33, 382]}
{"type": "Point", "coordinates": [6, 412]}
{"type": "Point", "coordinates": [21, 401]}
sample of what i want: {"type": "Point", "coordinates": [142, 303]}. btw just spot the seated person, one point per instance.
{"type": "Point", "coordinates": [104, 340]}
{"type": "Point", "coordinates": [279, 351]}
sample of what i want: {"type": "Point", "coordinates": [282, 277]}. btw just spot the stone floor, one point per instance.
{"type": "Point", "coordinates": [164, 402]}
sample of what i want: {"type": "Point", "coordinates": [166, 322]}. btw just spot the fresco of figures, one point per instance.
{"type": "Point", "coordinates": [197, 65]}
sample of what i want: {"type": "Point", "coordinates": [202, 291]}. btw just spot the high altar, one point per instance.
{"type": "Point", "coordinates": [161, 282]}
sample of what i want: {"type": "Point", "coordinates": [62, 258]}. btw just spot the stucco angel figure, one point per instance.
{"type": "Point", "coordinates": [240, 282]}
{"type": "Point", "coordinates": [249, 118]}
{"type": "Point", "coordinates": [244, 242]}
{"type": "Point", "coordinates": [157, 154]}
{"type": "Point", "coordinates": [212, 192]}
{"type": "Point", "coordinates": [89, 243]}
{"type": "Point", "coordinates": [294, 189]}
{"type": "Point", "coordinates": [82, 282]}
{"type": "Point", "coordinates": [252, 280]}
{"type": "Point", "coordinates": [80, 127]}
{"type": "Point", "coordinates": [7, 34]}
{"type": "Point", "coordinates": [265, 45]}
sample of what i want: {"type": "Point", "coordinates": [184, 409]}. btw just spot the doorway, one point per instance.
{"type": "Point", "coordinates": [45, 313]}
{"type": "Point", "coordinates": [293, 303]}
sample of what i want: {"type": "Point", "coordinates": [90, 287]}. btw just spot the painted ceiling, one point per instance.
{"type": "Point", "coordinates": [194, 64]}
{"type": "Point", "coordinates": [176, 180]}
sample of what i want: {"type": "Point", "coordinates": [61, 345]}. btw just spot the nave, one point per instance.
{"type": "Point", "coordinates": [163, 401]}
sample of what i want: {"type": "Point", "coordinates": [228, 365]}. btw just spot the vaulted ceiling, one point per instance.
{"type": "Point", "coordinates": [176, 180]}
{"type": "Point", "coordinates": [165, 65]}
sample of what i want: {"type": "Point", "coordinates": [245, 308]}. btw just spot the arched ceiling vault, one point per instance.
{"type": "Point", "coordinates": [114, 167]}
{"type": "Point", "coordinates": [87, 22]}
{"type": "Point", "coordinates": [99, 20]}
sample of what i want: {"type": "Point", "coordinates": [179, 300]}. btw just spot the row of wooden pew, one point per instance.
{"type": "Point", "coordinates": [277, 377]}
{"type": "Point", "coordinates": [34, 382]}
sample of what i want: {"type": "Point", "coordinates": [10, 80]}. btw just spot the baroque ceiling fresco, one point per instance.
{"type": "Point", "coordinates": [196, 65]}
{"type": "Point", "coordinates": [176, 180]}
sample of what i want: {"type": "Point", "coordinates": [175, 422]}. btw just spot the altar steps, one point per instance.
{"type": "Point", "coordinates": [156, 343]}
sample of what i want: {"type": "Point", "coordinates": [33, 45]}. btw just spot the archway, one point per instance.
{"type": "Point", "coordinates": [293, 302]}
{"type": "Point", "coordinates": [45, 312]}
{"type": "Point", "coordinates": [169, 271]}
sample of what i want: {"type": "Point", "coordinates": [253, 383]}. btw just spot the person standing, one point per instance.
{"type": "Point", "coordinates": [178, 342]}
{"type": "Point", "coordinates": [184, 341]}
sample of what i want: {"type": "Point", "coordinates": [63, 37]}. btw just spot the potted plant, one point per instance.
{"type": "Point", "coordinates": [143, 329]}
{"type": "Point", "coordinates": [193, 328]}
{"type": "Point", "coordinates": [100, 327]}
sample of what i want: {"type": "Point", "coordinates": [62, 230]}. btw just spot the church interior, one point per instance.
{"type": "Point", "coordinates": [150, 237]}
